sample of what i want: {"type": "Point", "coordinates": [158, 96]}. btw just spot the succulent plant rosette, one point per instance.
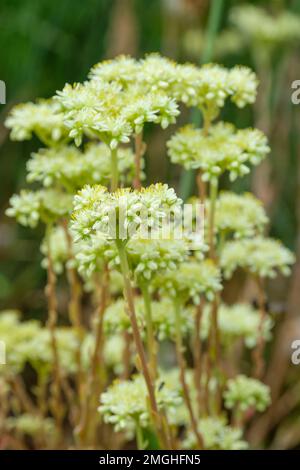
{"type": "Point", "coordinates": [146, 351]}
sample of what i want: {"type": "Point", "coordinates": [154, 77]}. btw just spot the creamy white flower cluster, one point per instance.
{"type": "Point", "coordinates": [31, 425]}
{"type": "Point", "coordinates": [237, 321]}
{"type": "Point", "coordinates": [116, 319]}
{"type": "Point", "coordinates": [148, 258]}
{"type": "Point", "coordinates": [191, 280]}
{"type": "Point", "coordinates": [46, 205]}
{"type": "Point", "coordinates": [124, 404]}
{"type": "Point", "coordinates": [244, 392]}
{"type": "Point", "coordinates": [29, 342]}
{"type": "Point", "coordinates": [224, 148]}
{"type": "Point", "coordinates": [16, 335]}
{"type": "Point", "coordinates": [217, 435]}
{"type": "Point", "coordinates": [111, 113]}
{"type": "Point", "coordinates": [263, 257]}
{"type": "Point", "coordinates": [206, 87]}
{"type": "Point", "coordinates": [123, 94]}
{"type": "Point", "coordinates": [45, 119]}
{"type": "Point", "coordinates": [122, 214]}
{"type": "Point", "coordinates": [239, 215]}
{"type": "Point", "coordinates": [71, 169]}
{"type": "Point", "coordinates": [262, 29]}
{"type": "Point", "coordinates": [92, 254]}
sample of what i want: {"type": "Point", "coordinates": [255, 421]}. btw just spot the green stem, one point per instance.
{"type": "Point", "coordinates": [139, 437]}
{"type": "Point", "coordinates": [213, 193]}
{"type": "Point", "coordinates": [114, 169]}
{"type": "Point", "coordinates": [151, 343]}
{"type": "Point", "coordinates": [128, 293]}
{"type": "Point", "coordinates": [214, 20]}
{"type": "Point", "coordinates": [137, 159]}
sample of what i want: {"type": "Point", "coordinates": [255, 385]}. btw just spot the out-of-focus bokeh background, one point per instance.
{"type": "Point", "coordinates": [45, 44]}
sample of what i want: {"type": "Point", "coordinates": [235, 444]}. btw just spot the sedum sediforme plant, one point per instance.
{"type": "Point", "coordinates": [152, 335]}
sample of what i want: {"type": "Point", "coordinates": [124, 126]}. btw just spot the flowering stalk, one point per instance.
{"type": "Point", "coordinates": [258, 352]}
{"type": "Point", "coordinates": [139, 150]}
{"type": "Point", "coordinates": [213, 192]}
{"type": "Point", "coordinates": [182, 368]}
{"type": "Point", "coordinates": [126, 355]}
{"type": "Point", "coordinates": [128, 293]}
{"type": "Point", "coordinates": [139, 437]}
{"type": "Point", "coordinates": [198, 355]}
{"type": "Point", "coordinates": [151, 342]}
{"type": "Point", "coordinates": [75, 308]}
{"type": "Point", "coordinates": [94, 385]}
{"type": "Point", "coordinates": [201, 187]}
{"type": "Point", "coordinates": [114, 170]}
{"type": "Point", "coordinates": [51, 324]}
{"type": "Point", "coordinates": [214, 352]}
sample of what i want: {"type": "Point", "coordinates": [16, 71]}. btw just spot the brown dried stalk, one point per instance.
{"type": "Point", "coordinates": [182, 368]}
{"type": "Point", "coordinates": [139, 152]}
{"type": "Point", "coordinates": [258, 353]}
{"type": "Point", "coordinates": [84, 429]}
{"type": "Point", "coordinates": [57, 407]}
{"type": "Point", "coordinates": [198, 355]}
{"type": "Point", "coordinates": [75, 309]}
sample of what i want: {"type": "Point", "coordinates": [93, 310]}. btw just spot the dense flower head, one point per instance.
{"type": "Point", "coordinates": [149, 257]}
{"type": "Point", "coordinates": [158, 73]}
{"type": "Point", "coordinates": [124, 94]}
{"type": "Point", "coordinates": [29, 342]}
{"type": "Point", "coordinates": [244, 392]}
{"type": "Point", "coordinates": [45, 119]}
{"type": "Point", "coordinates": [105, 110]}
{"type": "Point", "coordinates": [191, 280]}
{"type": "Point", "coordinates": [240, 215]}
{"type": "Point", "coordinates": [123, 70]}
{"type": "Point", "coordinates": [243, 83]}
{"type": "Point", "coordinates": [91, 255]}
{"type": "Point", "coordinates": [31, 425]}
{"type": "Point", "coordinates": [217, 435]}
{"type": "Point", "coordinates": [237, 321]}
{"type": "Point", "coordinates": [263, 257]}
{"type": "Point", "coordinates": [259, 27]}
{"type": "Point", "coordinates": [124, 213]}
{"type": "Point", "coordinates": [124, 404]}
{"type": "Point", "coordinates": [16, 335]}
{"type": "Point", "coordinates": [209, 86]}
{"type": "Point", "coordinates": [116, 318]}
{"type": "Point", "coordinates": [71, 169]}
{"type": "Point", "coordinates": [45, 205]}
{"type": "Point", "coordinates": [223, 149]}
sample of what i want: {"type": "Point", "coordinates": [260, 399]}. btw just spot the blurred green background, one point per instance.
{"type": "Point", "coordinates": [45, 44]}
